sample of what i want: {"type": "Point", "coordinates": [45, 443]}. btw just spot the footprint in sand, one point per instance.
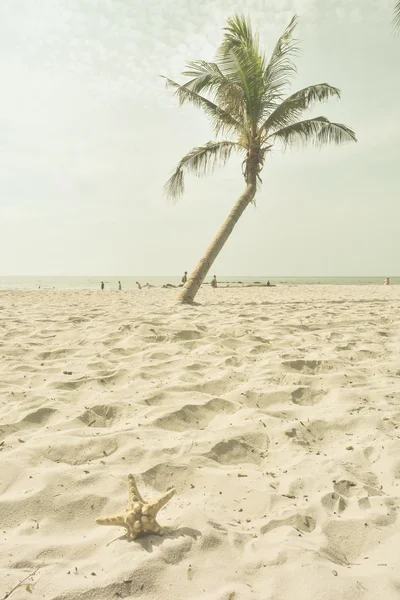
{"type": "Point", "coordinates": [99, 416]}
{"type": "Point", "coordinates": [237, 450]}
{"type": "Point", "coordinates": [233, 361]}
{"type": "Point", "coordinates": [163, 476]}
{"type": "Point", "coordinates": [303, 523]}
{"type": "Point", "coordinates": [187, 334]}
{"type": "Point", "coordinates": [55, 354]}
{"type": "Point", "coordinates": [195, 416]}
{"type": "Point", "coordinates": [334, 503]}
{"type": "Point", "coordinates": [346, 488]}
{"type": "Point", "coordinates": [306, 396]}
{"type": "Point", "coordinates": [310, 367]}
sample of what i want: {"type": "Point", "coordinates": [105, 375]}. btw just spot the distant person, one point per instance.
{"type": "Point", "coordinates": [139, 286]}
{"type": "Point", "coordinates": [184, 278]}
{"type": "Point", "coordinates": [214, 282]}
{"type": "Point", "coordinates": [102, 285]}
{"type": "Point", "coordinates": [119, 286]}
{"type": "Point", "coordinates": [268, 283]}
{"type": "Point", "coordinates": [386, 282]}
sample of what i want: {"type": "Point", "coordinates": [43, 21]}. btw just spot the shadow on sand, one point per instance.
{"type": "Point", "coordinates": [149, 541]}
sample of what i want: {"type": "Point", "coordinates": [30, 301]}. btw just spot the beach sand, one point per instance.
{"type": "Point", "coordinates": [273, 412]}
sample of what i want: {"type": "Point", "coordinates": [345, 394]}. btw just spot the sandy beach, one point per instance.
{"type": "Point", "coordinates": [273, 412]}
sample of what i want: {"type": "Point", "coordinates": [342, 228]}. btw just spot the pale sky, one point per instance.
{"type": "Point", "coordinates": [89, 135]}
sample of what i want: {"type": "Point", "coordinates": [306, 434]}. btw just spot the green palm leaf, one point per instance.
{"type": "Point", "coordinates": [281, 67]}
{"type": "Point", "coordinates": [200, 160]}
{"type": "Point", "coordinates": [207, 78]}
{"type": "Point", "coordinates": [221, 120]}
{"type": "Point", "coordinates": [318, 131]}
{"type": "Point", "coordinates": [242, 61]}
{"type": "Point", "coordinates": [289, 111]}
{"type": "Point", "coordinates": [396, 18]}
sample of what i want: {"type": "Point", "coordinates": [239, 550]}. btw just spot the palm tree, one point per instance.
{"type": "Point", "coordinates": [396, 18]}
{"type": "Point", "coordinates": [244, 97]}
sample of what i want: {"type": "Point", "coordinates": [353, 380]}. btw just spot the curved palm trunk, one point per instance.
{"type": "Point", "coordinates": [197, 277]}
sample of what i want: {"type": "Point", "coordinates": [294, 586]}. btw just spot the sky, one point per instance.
{"type": "Point", "coordinates": [89, 135]}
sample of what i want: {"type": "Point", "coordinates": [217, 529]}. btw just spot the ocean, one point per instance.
{"type": "Point", "coordinates": [129, 281]}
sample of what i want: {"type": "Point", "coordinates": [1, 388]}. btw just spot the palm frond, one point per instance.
{"type": "Point", "coordinates": [238, 33]}
{"type": "Point", "coordinates": [318, 131]}
{"type": "Point", "coordinates": [289, 111]}
{"type": "Point", "coordinates": [207, 77]}
{"type": "Point", "coordinates": [242, 61]}
{"type": "Point", "coordinates": [396, 18]}
{"type": "Point", "coordinates": [200, 161]}
{"type": "Point", "coordinates": [221, 120]}
{"type": "Point", "coordinates": [281, 67]}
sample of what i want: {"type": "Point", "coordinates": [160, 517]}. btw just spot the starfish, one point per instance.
{"type": "Point", "coordinates": [140, 516]}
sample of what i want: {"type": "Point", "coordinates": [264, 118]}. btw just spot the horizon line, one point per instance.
{"type": "Point", "coordinates": [179, 275]}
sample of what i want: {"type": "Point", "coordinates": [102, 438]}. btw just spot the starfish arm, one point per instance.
{"type": "Point", "coordinates": [118, 520]}
{"type": "Point", "coordinates": [157, 504]}
{"type": "Point", "coordinates": [134, 495]}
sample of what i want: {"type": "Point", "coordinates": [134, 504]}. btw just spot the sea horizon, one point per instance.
{"type": "Point", "coordinates": [92, 282]}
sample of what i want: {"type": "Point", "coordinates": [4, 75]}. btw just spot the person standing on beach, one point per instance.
{"type": "Point", "coordinates": [119, 286]}
{"type": "Point", "coordinates": [102, 285]}
{"type": "Point", "coordinates": [386, 282]}
{"type": "Point", "coordinates": [184, 278]}
{"type": "Point", "coordinates": [214, 282]}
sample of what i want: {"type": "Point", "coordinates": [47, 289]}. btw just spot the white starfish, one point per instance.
{"type": "Point", "coordinates": [140, 516]}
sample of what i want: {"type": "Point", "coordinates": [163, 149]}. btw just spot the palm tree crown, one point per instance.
{"type": "Point", "coordinates": [244, 96]}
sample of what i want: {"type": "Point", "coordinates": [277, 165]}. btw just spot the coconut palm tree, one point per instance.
{"type": "Point", "coordinates": [243, 95]}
